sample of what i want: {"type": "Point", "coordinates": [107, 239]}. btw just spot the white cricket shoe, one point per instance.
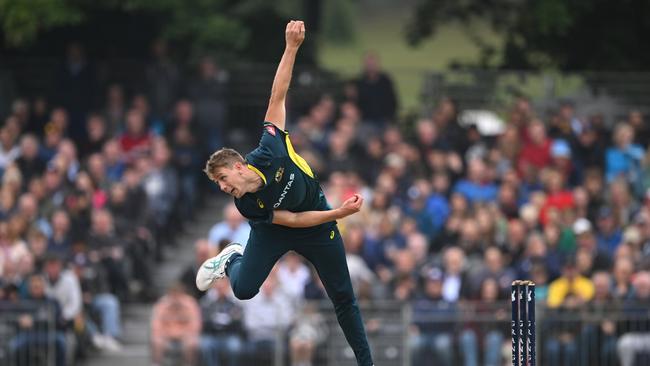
{"type": "Point", "coordinates": [215, 267]}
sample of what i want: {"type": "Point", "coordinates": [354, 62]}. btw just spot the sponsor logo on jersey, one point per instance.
{"type": "Point", "coordinates": [278, 174]}
{"type": "Point", "coordinates": [270, 130]}
{"type": "Point", "coordinates": [260, 203]}
{"type": "Point", "coordinates": [285, 190]}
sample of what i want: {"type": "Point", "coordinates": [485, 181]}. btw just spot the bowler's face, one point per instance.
{"type": "Point", "coordinates": [230, 180]}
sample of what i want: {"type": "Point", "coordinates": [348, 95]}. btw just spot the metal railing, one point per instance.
{"type": "Point", "coordinates": [28, 333]}
{"type": "Point", "coordinates": [477, 333]}
{"type": "Point", "coordinates": [611, 94]}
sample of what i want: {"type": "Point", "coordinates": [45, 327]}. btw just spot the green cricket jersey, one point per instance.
{"type": "Point", "coordinates": [289, 184]}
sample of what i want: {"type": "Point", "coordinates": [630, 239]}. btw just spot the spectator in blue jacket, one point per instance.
{"type": "Point", "coordinates": [624, 158]}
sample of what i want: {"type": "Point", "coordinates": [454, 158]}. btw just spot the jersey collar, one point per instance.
{"type": "Point", "coordinates": [258, 172]}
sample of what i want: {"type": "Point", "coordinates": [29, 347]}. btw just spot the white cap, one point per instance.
{"type": "Point", "coordinates": [581, 226]}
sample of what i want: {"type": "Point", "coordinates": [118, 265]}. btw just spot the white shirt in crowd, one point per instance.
{"type": "Point", "coordinates": [223, 230]}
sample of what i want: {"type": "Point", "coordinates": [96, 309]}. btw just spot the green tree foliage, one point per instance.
{"type": "Point", "coordinates": [224, 27]}
{"type": "Point", "coordinates": [569, 35]}
{"type": "Point", "coordinates": [22, 20]}
{"type": "Point", "coordinates": [338, 20]}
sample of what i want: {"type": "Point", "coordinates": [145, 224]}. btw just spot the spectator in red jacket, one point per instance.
{"type": "Point", "coordinates": [136, 140]}
{"type": "Point", "coordinates": [558, 197]}
{"type": "Point", "coordinates": [536, 153]}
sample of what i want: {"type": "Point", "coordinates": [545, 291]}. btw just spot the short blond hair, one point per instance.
{"type": "Point", "coordinates": [225, 157]}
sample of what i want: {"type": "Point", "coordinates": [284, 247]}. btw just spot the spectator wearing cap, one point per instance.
{"type": "Point", "coordinates": [587, 243]}
{"type": "Point", "coordinates": [561, 160]}
{"type": "Point", "coordinates": [432, 321]}
{"type": "Point", "coordinates": [609, 233]}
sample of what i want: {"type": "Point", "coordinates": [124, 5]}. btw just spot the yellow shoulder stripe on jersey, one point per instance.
{"type": "Point", "coordinates": [297, 159]}
{"type": "Point", "coordinates": [258, 172]}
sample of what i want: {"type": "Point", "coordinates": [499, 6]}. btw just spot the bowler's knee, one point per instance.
{"type": "Point", "coordinates": [243, 293]}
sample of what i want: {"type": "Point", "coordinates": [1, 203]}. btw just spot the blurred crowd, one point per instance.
{"type": "Point", "coordinates": [93, 188]}
{"type": "Point", "coordinates": [452, 218]}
